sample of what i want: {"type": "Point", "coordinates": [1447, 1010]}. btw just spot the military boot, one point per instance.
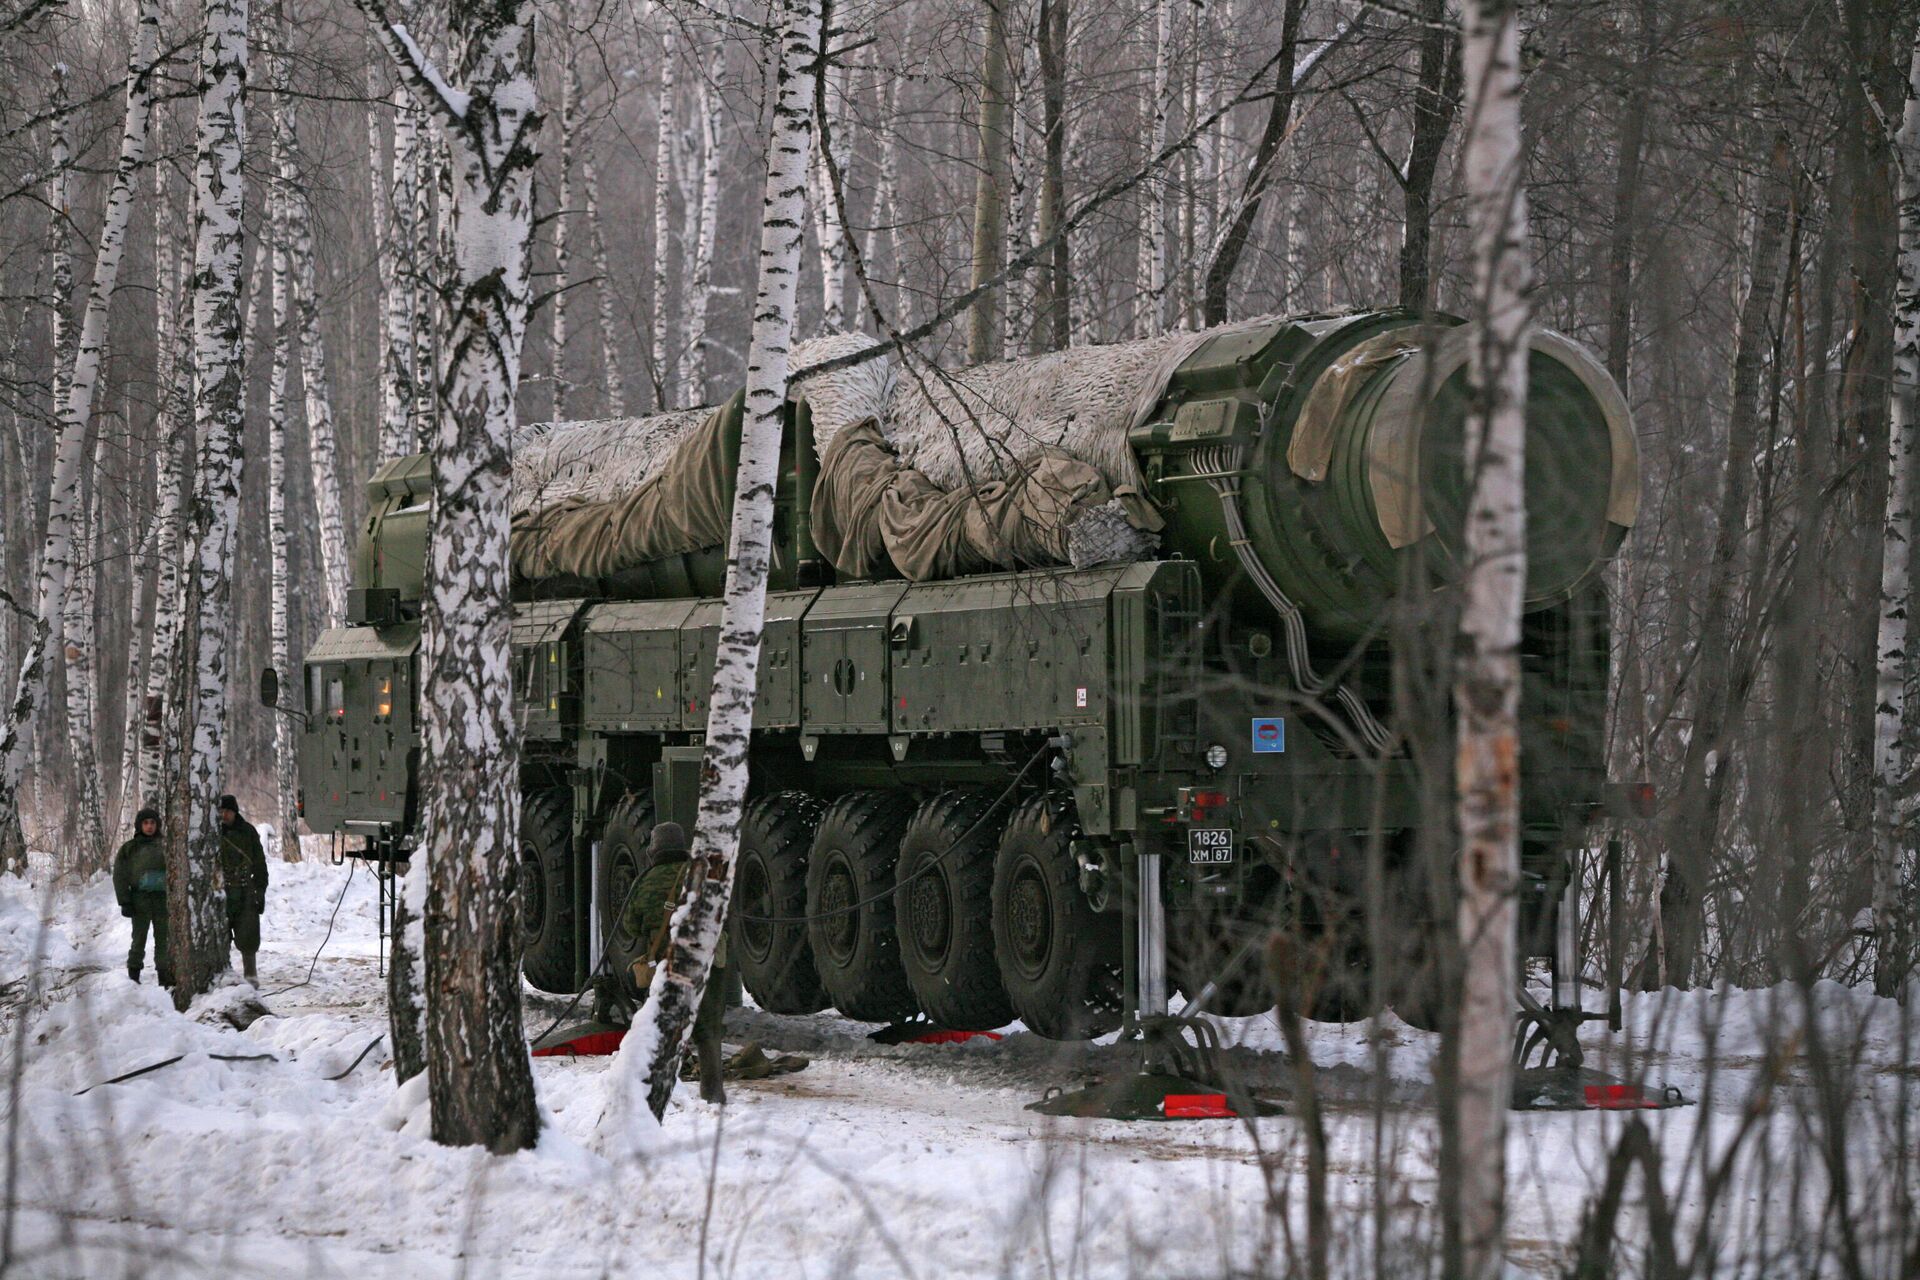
{"type": "Point", "coordinates": [133, 971]}
{"type": "Point", "coordinates": [246, 966]}
{"type": "Point", "coordinates": [713, 1086]}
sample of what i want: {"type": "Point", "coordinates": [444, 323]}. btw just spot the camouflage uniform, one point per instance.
{"type": "Point", "coordinates": [140, 884]}
{"type": "Point", "coordinates": [243, 869]}
{"type": "Point", "coordinates": [649, 908]}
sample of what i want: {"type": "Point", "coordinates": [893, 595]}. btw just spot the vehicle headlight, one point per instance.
{"type": "Point", "coordinates": [1216, 756]}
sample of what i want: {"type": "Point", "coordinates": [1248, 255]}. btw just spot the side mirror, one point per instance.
{"type": "Point", "coordinates": [269, 687]}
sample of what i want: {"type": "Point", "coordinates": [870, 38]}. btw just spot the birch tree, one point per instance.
{"type": "Point", "coordinates": [1891, 923]}
{"type": "Point", "coordinates": [989, 198]}
{"type": "Point", "coordinates": [322, 438]}
{"type": "Point", "coordinates": [700, 280]}
{"type": "Point", "coordinates": [1052, 305]}
{"type": "Point", "coordinates": [835, 266]}
{"type": "Point", "coordinates": [285, 819]}
{"type": "Point", "coordinates": [77, 620]}
{"type": "Point", "coordinates": [563, 221]}
{"type": "Point", "coordinates": [603, 290]}
{"type": "Point", "coordinates": [480, 1078]}
{"type": "Point", "coordinates": [648, 1062]}
{"type": "Point", "coordinates": [76, 409]}
{"type": "Point", "coordinates": [663, 184]}
{"type": "Point", "coordinates": [399, 268]}
{"type": "Point", "coordinates": [199, 921]}
{"type": "Point", "coordinates": [1486, 691]}
{"type": "Point", "coordinates": [173, 432]}
{"type": "Point", "coordinates": [1151, 282]}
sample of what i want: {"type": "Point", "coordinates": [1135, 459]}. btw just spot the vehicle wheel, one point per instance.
{"type": "Point", "coordinates": [770, 880]}
{"type": "Point", "coordinates": [1207, 940]}
{"type": "Point", "coordinates": [623, 860]}
{"type": "Point", "coordinates": [1331, 974]}
{"type": "Point", "coordinates": [1417, 983]}
{"type": "Point", "coordinates": [546, 889]}
{"type": "Point", "coordinates": [943, 913]}
{"type": "Point", "coordinates": [1059, 958]}
{"type": "Point", "coordinates": [857, 952]}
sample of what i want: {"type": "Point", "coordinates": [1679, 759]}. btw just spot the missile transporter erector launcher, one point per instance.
{"type": "Point", "coordinates": [1051, 647]}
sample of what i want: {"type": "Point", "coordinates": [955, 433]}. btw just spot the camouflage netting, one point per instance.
{"type": "Point", "coordinates": [924, 472]}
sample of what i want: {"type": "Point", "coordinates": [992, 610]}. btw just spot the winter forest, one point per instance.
{"type": "Point", "coordinates": [1319, 588]}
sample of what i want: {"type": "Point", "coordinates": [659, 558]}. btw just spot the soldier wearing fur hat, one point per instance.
{"type": "Point", "coordinates": [243, 868]}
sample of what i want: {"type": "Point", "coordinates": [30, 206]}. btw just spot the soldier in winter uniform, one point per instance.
{"type": "Point", "coordinates": [649, 911]}
{"type": "Point", "coordinates": [140, 883]}
{"type": "Point", "coordinates": [243, 868]}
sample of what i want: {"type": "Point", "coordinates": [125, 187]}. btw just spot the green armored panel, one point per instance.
{"type": "Point", "coordinates": [543, 680]}
{"type": "Point", "coordinates": [630, 665]}
{"type": "Point", "coordinates": [1011, 651]}
{"type": "Point", "coordinates": [1156, 643]}
{"type": "Point", "coordinates": [355, 752]}
{"type": "Point", "coordinates": [843, 658]}
{"type": "Point", "coordinates": [776, 700]}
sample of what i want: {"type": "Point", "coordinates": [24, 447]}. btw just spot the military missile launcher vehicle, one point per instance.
{"type": "Point", "coordinates": [1056, 651]}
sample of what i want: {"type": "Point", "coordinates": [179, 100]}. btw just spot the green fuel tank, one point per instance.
{"type": "Point", "coordinates": [1305, 463]}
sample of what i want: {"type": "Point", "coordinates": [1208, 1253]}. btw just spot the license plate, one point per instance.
{"type": "Point", "coordinates": [1210, 846]}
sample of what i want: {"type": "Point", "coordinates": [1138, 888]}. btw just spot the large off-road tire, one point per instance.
{"type": "Point", "coordinates": [1417, 976]}
{"type": "Point", "coordinates": [623, 860]}
{"type": "Point", "coordinates": [943, 912]}
{"type": "Point", "coordinates": [1228, 946]}
{"type": "Point", "coordinates": [1331, 971]}
{"type": "Point", "coordinates": [1059, 959]}
{"type": "Point", "coordinates": [857, 952]}
{"type": "Point", "coordinates": [775, 961]}
{"type": "Point", "coordinates": [547, 925]}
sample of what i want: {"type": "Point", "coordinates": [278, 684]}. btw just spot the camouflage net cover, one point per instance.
{"type": "Point", "coordinates": [924, 472]}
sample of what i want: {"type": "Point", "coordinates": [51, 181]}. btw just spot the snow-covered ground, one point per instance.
{"type": "Point", "coordinates": [907, 1160]}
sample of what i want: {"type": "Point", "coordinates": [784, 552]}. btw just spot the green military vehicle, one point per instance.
{"type": "Point", "coordinates": [1089, 785]}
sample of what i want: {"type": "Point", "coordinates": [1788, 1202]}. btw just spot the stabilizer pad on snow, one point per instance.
{"type": "Point", "coordinates": [581, 1040]}
{"type": "Point", "coordinates": [1580, 1089]}
{"type": "Point", "coordinates": [1153, 1095]}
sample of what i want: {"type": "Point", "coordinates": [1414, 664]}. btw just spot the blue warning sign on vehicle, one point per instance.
{"type": "Point", "coordinates": [1269, 733]}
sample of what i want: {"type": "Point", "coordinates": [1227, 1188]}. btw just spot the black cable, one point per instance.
{"type": "Point", "coordinates": [597, 969]}
{"type": "Point", "coordinates": [352, 867]}
{"type": "Point", "coordinates": [357, 1061]}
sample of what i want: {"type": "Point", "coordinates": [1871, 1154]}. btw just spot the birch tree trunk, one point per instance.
{"type": "Point", "coordinates": [77, 618]}
{"type": "Point", "coordinates": [480, 1078]}
{"type": "Point", "coordinates": [176, 435]}
{"type": "Point", "coordinates": [400, 271]}
{"type": "Point", "coordinates": [886, 192]}
{"type": "Point", "coordinates": [1151, 281]}
{"type": "Point", "coordinates": [648, 1062]}
{"type": "Point", "coordinates": [280, 197]}
{"type": "Point", "coordinates": [1052, 304]}
{"type": "Point", "coordinates": [1435, 99]}
{"type": "Point", "coordinates": [700, 289]}
{"type": "Point", "coordinates": [989, 218]}
{"type": "Point", "coordinates": [1694, 831]}
{"type": "Point", "coordinates": [663, 184]}
{"type": "Point", "coordinates": [1223, 259]}
{"type": "Point", "coordinates": [603, 291]}
{"type": "Point", "coordinates": [198, 914]}
{"type": "Point", "coordinates": [1892, 923]}
{"type": "Point", "coordinates": [563, 220]}
{"type": "Point", "coordinates": [322, 438]}
{"type": "Point", "coordinates": [1487, 675]}
{"type": "Point", "coordinates": [83, 693]}
{"type": "Point", "coordinates": [56, 559]}
{"type": "Point", "coordinates": [835, 269]}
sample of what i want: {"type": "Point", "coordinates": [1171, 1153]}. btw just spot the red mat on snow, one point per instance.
{"type": "Point", "coordinates": [593, 1044]}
